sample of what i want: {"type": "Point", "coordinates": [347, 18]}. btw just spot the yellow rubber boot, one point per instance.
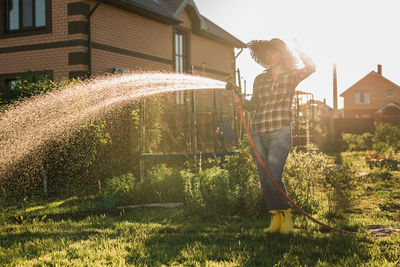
{"type": "Point", "coordinates": [276, 221]}
{"type": "Point", "coordinates": [287, 223]}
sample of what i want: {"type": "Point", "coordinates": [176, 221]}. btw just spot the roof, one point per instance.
{"type": "Point", "coordinates": [153, 9]}
{"type": "Point", "coordinates": [371, 74]}
{"type": "Point", "coordinates": [321, 104]}
{"type": "Point", "coordinates": [174, 4]}
{"type": "Point", "coordinates": [390, 104]}
{"type": "Point", "coordinates": [169, 12]}
{"type": "Point", "coordinates": [214, 29]}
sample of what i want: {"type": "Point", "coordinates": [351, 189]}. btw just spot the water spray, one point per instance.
{"type": "Point", "coordinates": [236, 91]}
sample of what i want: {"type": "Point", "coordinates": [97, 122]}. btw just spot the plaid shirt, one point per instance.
{"type": "Point", "coordinates": [272, 99]}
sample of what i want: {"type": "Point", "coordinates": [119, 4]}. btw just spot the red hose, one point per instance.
{"type": "Point", "coordinates": [239, 107]}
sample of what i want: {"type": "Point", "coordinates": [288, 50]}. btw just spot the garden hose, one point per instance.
{"type": "Point", "coordinates": [236, 91]}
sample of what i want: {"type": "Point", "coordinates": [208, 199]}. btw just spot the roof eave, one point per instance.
{"type": "Point", "coordinates": [142, 11]}
{"type": "Point", "coordinates": [221, 40]}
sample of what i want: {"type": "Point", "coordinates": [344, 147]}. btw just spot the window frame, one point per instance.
{"type": "Point", "coordinates": [364, 95]}
{"type": "Point", "coordinates": [10, 83]}
{"type": "Point", "coordinates": [181, 52]}
{"type": "Point", "coordinates": [183, 56]}
{"type": "Point", "coordinates": [389, 93]}
{"type": "Point", "coordinates": [6, 32]}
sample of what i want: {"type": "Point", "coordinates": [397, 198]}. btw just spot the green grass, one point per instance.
{"type": "Point", "coordinates": [156, 237]}
{"type": "Point", "coordinates": [87, 235]}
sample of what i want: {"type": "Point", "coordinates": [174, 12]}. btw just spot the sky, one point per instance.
{"type": "Point", "coordinates": [357, 35]}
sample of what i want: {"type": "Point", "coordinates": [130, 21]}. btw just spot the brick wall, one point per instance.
{"type": "Point", "coordinates": [216, 56]}
{"type": "Point", "coordinates": [31, 53]}
{"type": "Point", "coordinates": [130, 33]}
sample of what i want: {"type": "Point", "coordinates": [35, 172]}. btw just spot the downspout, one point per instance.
{"type": "Point", "coordinates": [89, 16]}
{"type": "Point", "coordinates": [241, 50]}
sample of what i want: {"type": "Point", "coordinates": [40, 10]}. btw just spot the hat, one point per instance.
{"type": "Point", "coordinates": [259, 48]}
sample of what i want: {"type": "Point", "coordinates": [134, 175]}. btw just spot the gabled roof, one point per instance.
{"type": "Point", "coordinates": [390, 104]}
{"type": "Point", "coordinates": [203, 26]}
{"type": "Point", "coordinates": [169, 12]}
{"type": "Point", "coordinates": [321, 104]}
{"type": "Point", "coordinates": [371, 74]}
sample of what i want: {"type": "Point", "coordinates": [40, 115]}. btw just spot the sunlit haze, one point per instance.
{"type": "Point", "coordinates": [356, 34]}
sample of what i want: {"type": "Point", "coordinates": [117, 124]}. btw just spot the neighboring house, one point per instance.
{"type": "Point", "coordinates": [322, 110]}
{"type": "Point", "coordinates": [374, 96]}
{"type": "Point", "coordinates": [143, 35]}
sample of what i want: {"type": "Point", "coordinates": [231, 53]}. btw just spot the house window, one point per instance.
{"type": "Point", "coordinates": [389, 93]}
{"type": "Point", "coordinates": [26, 14]}
{"type": "Point", "coordinates": [180, 60]}
{"type": "Point", "coordinates": [11, 84]}
{"type": "Point", "coordinates": [362, 98]}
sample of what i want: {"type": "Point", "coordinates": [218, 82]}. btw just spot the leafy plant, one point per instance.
{"type": "Point", "coordinates": [124, 189]}
{"type": "Point", "coordinates": [339, 183]}
{"type": "Point", "coordinates": [358, 142]}
{"type": "Point", "coordinates": [303, 171]}
{"type": "Point", "coordinates": [386, 135]}
{"type": "Point", "coordinates": [166, 184]}
{"type": "Point", "coordinates": [231, 190]}
{"type": "Point", "coordinates": [32, 84]}
{"type": "Point", "coordinates": [161, 184]}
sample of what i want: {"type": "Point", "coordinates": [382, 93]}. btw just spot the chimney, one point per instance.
{"type": "Point", "coordinates": [379, 69]}
{"type": "Point", "coordinates": [325, 101]}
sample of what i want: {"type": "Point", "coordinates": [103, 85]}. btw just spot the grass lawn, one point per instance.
{"type": "Point", "coordinates": [75, 231]}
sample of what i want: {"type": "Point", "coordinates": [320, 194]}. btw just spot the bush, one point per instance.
{"type": "Point", "coordinates": [303, 171]}
{"type": "Point", "coordinates": [31, 84]}
{"type": "Point", "coordinates": [165, 184]}
{"type": "Point", "coordinates": [339, 183]}
{"type": "Point", "coordinates": [386, 135]}
{"type": "Point", "coordinates": [75, 155]}
{"type": "Point", "coordinates": [358, 142]}
{"type": "Point", "coordinates": [122, 189]}
{"type": "Point", "coordinates": [162, 184]}
{"type": "Point", "coordinates": [231, 190]}
{"type": "Point", "coordinates": [208, 192]}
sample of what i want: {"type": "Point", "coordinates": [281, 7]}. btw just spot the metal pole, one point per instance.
{"type": "Point", "coordinates": [142, 137]}
{"type": "Point", "coordinates": [313, 119]}
{"type": "Point", "coordinates": [215, 121]}
{"type": "Point", "coordinates": [297, 121]}
{"type": "Point", "coordinates": [44, 176]}
{"type": "Point", "coordinates": [194, 143]}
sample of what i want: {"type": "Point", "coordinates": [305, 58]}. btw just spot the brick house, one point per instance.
{"type": "Point", "coordinates": [38, 35]}
{"type": "Point", "coordinates": [74, 38]}
{"type": "Point", "coordinates": [374, 96]}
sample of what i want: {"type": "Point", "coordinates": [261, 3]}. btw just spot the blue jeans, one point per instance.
{"type": "Point", "coordinates": [273, 149]}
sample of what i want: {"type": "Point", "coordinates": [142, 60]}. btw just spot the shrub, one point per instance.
{"type": "Point", "coordinates": [231, 190]}
{"type": "Point", "coordinates": [339, 183]}
{"type": "Point", "coordinates": [358, 142]}
{"type": "Point", "coordinates": [386, 135]}
{"type": "Point", "coordinates": [75, 155]}
{"type": "Point", "coordinates": [165, 184]}
{"type": "Point", "coordinates": [162, 184]}
{"type": "Point", "coordinates": [123, 189]}
{"type": "Point", "coordinates": [303, 171]}
{"type": "Point", "coordinates": [208, 192]}
{"type": "Point", "coordinates": [31, 84]}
